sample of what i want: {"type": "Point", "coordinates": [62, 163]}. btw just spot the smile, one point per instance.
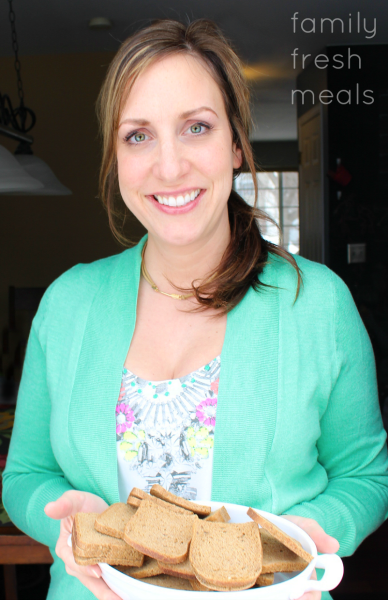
{"type": "Point", "coordinates": [181, 200]}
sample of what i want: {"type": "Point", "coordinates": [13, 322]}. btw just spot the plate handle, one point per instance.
{"type": "Point", "coordinates": [334, 570]}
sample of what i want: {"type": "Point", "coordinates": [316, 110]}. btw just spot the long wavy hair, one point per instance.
{"type": "Point", "coordinates": [247, 253]}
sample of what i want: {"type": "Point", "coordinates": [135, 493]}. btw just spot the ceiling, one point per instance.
{"type": "Point", "coordinates": [261, 31]}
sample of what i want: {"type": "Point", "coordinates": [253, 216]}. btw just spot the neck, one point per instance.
{"type": "Point", "coordinates": [183, 263]}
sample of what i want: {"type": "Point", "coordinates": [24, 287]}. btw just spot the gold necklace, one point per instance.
{"type": "Point", "coordinates": [153, 285]}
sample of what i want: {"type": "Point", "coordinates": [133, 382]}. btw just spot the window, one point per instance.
{"type": "Point", "coordinates": [279, 198]}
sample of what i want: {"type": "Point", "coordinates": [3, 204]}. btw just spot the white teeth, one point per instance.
{"type": "Point", "coordinates": [180, 200]}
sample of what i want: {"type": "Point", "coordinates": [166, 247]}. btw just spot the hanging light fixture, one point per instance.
{"type": "Point", "coordinates": [24, 173]}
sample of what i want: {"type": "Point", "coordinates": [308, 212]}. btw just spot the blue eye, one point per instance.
{"type": "Point", "coordinates": [137, 137]}
{"type": "Point", "coordinates": [197, 128]}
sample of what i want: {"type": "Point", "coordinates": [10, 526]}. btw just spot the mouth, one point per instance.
{"type": "Point", "coordinates": [178, 200]}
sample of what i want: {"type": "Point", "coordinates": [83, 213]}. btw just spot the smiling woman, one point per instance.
{"type": "Point", "coordinates": [243, 387]}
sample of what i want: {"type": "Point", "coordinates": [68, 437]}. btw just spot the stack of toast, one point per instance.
{"type": "Point", "coordinates": [164, 540]}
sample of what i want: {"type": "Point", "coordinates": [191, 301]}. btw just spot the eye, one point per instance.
{"type": "Point", "coordinates": [136, 137]}
{"type": "Point", "coordinates": [199, 128]}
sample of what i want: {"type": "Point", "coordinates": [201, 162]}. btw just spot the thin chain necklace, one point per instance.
{"type": "Point", "coordinates": [153, 285]}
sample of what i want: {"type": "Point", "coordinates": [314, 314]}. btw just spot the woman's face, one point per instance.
{"type": "Point", "coordinates": [175, 153]}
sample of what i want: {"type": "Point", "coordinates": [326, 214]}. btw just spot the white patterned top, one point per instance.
{"type": "Point", "coordinates": [165, 432]}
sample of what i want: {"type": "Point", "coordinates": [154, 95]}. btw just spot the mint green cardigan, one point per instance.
{"type": "Point", "coordinates": [298, 427]}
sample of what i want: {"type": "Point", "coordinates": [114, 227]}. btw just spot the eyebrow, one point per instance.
{"type": "Point", "coordinates": [185, 115]}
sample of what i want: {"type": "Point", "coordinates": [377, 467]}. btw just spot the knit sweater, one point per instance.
{"type": "Point", "coordinates": [298, 429]}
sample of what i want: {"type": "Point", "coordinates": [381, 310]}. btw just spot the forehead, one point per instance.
{"type": "Point", "coordinates": [178, 82]}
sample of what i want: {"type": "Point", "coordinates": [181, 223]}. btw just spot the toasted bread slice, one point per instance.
{"type": "Point", "coordinates": [90, 543]}
{"type": "Point", "coordinates": [168, 582]}
{"type": "Point", "coordinates": [150, 568]}
{"type": "Point", "coordinates": [133, 501]}
{"type": "Point", "coordinates": [282, 537]}
{"type": "Point", "coordinates": [114, 519]}
{"type": "Point", "coordinates": [158, 491]}
{"type": "Point", "coordinates": [277, 558]}
{"type": "Point", "coordinates": [138, 493]}
{"type": "Point", "coordinates": [265, 579]}
{"type": "Point", "coordinates": [81, 558]}
{"type": "Point", "coordinates": [160, 533]}
{"type": "Point", "coordinates": [226, 555]}
{"type": "Point", "coordinates": [184, 569]}
{"type": "Point", "coordinates": [219, 516]}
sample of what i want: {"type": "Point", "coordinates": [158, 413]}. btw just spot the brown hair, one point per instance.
{"type": "Point", "coordinates": [247, 253]}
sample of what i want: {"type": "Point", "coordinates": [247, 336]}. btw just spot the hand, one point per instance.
{"type": "Point", "coordinates": [324, 543]}
{"type": "Point", "coordinates": [65, 508]}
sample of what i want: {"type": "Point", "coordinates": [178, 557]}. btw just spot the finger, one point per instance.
{"type": "Point", "coordinates": [74, 501]}
{"type": "Point", "coordinates": [66, 554]}
{"type": "Point", "coordinates": [324, 542]}
{"type": "Point", "coordinates": [312, 595]}
{"type": "Point", "coordinates": [68, 504]}
{"type": "Point", "coordinates": [99, 588]}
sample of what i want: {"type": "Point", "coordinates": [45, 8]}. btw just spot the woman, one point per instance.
{"type": "Point", "coordinates": [202, 301]}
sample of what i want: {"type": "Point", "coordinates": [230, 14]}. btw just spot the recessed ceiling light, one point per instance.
{"type": "Point", "coordinates": [100, 23]}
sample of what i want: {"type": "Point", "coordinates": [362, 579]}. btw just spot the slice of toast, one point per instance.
{"type": "Point", "coordinates": [226, 555]}
{"type": "Point", "coordinates": [135, 501]}
{"type": "Point", "coordinates": [160, 533]}
{"type": "Point", "coordinates": [114, 519]}
{"type": "Point", "coordinates": [81, 558]}
{"type": "Point", "coordinates": [138, 493]}
{"type": "Point", "coordinates": [150, 568]}
{"type": "Point", "coordinates": [90, 543]}
{"type": "Point", "coordinates": [158, 491]}
{"type": "Point", "coordinates": [280, 535]}
{"type": "Point", "coordinates": [277, 558]}
{"type": "Point", "coordinates": [219, 516]}
{"type": "Point", "coordinates": [265, 579]}
{"type": "Point", "coordinates": [199, 587]}
{"type": "Point", "coordinates": [184, 569]}
{"type": "Point", "coordinates": [169, 582]}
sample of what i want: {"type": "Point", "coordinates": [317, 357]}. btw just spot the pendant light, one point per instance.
{"type": "Point", "coordinates": [13, 178]}
{"type": "Point", "coordinates": [25, 174]}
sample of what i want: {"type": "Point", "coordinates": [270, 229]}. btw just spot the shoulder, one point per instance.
{"type": "Point", "coordinates": [320, 286]}
{"type": "Point", "coordinates": [73, 292]}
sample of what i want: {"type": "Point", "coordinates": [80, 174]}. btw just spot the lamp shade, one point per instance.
{"type": "Point", "coordinates": [38, 169]}
{"type": "Point", "coordinates": [13, 178]}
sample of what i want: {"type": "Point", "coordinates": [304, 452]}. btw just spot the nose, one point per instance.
{"type": "Point", "coordinates": [171, 164]}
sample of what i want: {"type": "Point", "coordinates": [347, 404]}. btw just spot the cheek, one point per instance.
{"type": "Point", "coordinates": [131, 174]}
{"type": "Point", "coordinates": [216, 163]}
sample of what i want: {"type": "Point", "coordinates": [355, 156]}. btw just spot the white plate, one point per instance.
{"type": "Point", "coordinates": [287, 586]}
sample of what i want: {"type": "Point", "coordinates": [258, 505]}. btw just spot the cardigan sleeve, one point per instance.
{"type": "Point", "coordinates": [352, 446]}
{"type": "Point", "coordinates": [32, 477]}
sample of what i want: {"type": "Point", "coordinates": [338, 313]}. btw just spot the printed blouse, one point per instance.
{"type": "Point", "coordinates": [165, 432]}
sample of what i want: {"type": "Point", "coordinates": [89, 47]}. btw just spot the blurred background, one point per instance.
{"type": "Point", "coordinates": [321, 155]}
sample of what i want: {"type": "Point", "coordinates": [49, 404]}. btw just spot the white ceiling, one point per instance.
{"type": "Point", "coordinates": [261, 31]}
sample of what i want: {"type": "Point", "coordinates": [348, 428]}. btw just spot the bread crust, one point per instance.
{"type": "Point", "coordinates": [226, 556]}
{"type": "Point", "coordinates": [282, 537]}
{"type": "Point", "coordinates": [199, 509]}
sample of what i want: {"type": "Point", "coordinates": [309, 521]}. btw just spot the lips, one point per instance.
{"type": "Point", "coordinates": [175, 209]}
{"type": "Point", "coordinates": [180, 200]}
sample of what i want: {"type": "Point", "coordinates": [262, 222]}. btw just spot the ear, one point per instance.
{"type": "Point", "coordinates": [237, 157]}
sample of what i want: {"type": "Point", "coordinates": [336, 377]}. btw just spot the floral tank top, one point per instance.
{"type": "Point", "coordinates": [165, 432]}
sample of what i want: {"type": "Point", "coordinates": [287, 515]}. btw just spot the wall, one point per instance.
{"type": "Point", "coordinates": [41, 237]}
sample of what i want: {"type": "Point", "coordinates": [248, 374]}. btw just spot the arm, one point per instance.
{"type": "Point", "coordinates": [352, 446]}
{"type": "Point", "coordinates": [32, 477]}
